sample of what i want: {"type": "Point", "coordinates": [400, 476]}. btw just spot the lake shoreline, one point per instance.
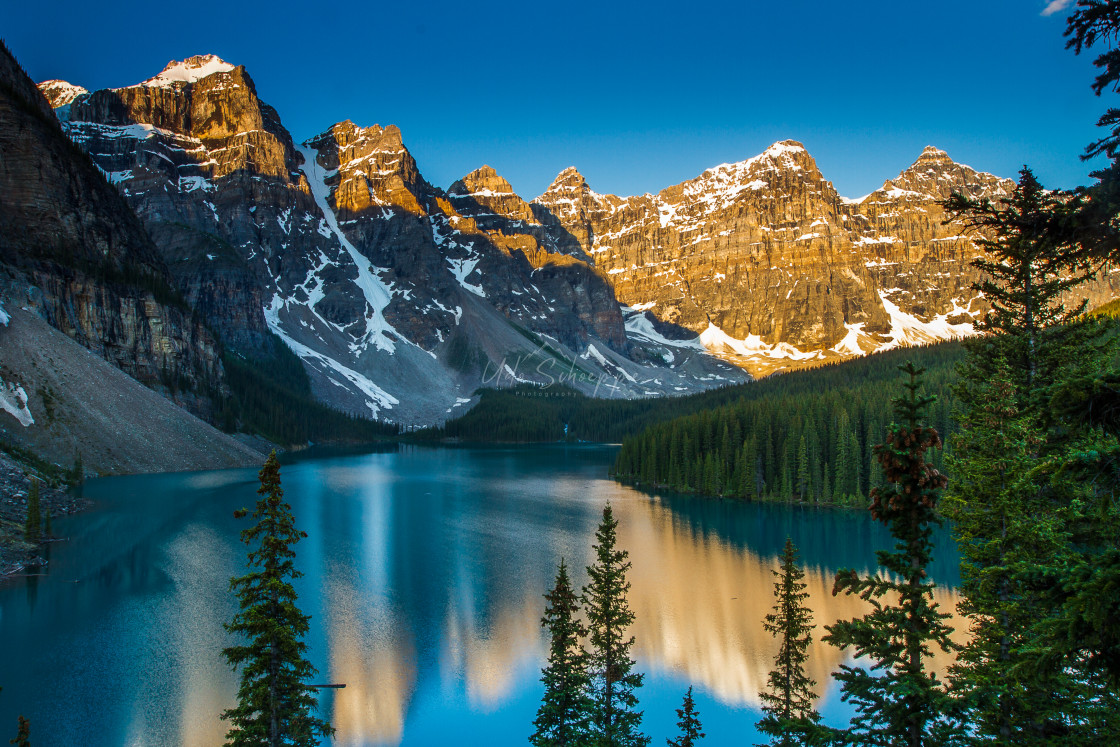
{"type": "Point", "coordinates": [17, 555]}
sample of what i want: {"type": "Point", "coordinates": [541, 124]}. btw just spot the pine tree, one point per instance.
{"type": "Point", "coordinates": [274, 705]}
{"type": "Point", "coordinates": [615, 721]}
{"type": "Point", "coordinates": [1027, 269]}
{"type": "Point", "coordinates": [898, 701]}
{"type": "Point", "coordinates": [803, 487]}
{"type": "Point", "coordinates": [23, 737]}
{"type": "Point", "coordinates": [688, 722]}
{"type": "Point", "coordinates": [32, 527]}
{"type": "Point", "coordinates": [788, 701]}
{"type": "Point", "coordinates": [565, 711]}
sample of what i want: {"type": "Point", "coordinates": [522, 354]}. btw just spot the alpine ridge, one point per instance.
{"type": "Point", "coordinates": [402, 298]}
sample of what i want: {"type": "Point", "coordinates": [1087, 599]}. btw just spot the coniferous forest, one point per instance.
{"type": "Point", "coordinates": [805, 437]}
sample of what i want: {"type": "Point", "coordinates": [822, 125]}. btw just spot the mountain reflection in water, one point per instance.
{"type": "Point", "coordinates": [424, 575]}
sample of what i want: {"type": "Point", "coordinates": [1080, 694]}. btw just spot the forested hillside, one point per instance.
{"type": "Point", "coordinates": [806, 437]}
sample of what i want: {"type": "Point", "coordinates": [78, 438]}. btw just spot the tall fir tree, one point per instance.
{"type": "Point", "coordinates": [32, 526]}
{"type": "Point", "coordinates": [1029, 466]}
{"type": "Point", "coordinates": [899, 700]}
{"type": "Point", "coordinates": [615, 719]}
{"type": "Point", "coordinates": [564, 716]}
{"type": "Point", "coordinates": [1027, 269]}
{"type": "Point", "coordinates": [23, 736]}
{"type": "Point", "coordinates": [274, 704]}
{"type": "Point", "coordinates": [1003, 524]}
{"type": "Point", "coordinates": [788, 700]}
{"type": "Point", "coordinates": [688, 721]}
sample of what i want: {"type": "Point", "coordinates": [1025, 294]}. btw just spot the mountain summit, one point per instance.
{"type": "Point", "coordinates": [190, 70]}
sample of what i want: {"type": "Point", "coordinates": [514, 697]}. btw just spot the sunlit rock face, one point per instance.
{"type": "Point", "coordinates": [774, 269]}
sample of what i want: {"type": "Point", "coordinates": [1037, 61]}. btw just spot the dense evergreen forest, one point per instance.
{"type": "Point", "coordinates": [801, 437]}
{"type": "Point", "coordinates": [526, 414]}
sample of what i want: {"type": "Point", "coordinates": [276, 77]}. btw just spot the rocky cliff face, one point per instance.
{"type": "Point", "coordinates": [80, 256]}
{"type": "Point", "coordinates": [400, 298]}
{"type": "Point", "coordinates": [774, 269]}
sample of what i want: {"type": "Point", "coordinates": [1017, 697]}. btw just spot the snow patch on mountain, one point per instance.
{"type": "Point", "coordinates": [13, 400]}
{"type": "Point", "coordinates": [752, 346]}
{"type": "Point", "coordinates": [377, 293]}
{"type": "Point", "coordinates": [638, 325]}
{"type": "Point", "coordinates": [189, 70]}
{"type": "Point", "coordinates": [461, 269]}
{"type": "Point", "coordinates": [378, 398]}
{"type": "Point", "coordinates": [907, 329]}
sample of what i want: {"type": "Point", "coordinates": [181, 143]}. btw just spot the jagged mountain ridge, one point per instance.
{"type": "Point", "coordinates": [400, 298]}
{"type": "Point", "coordinates": [379, 279]}
{"type": "Point", "coordinates": [88, 310]}
{"type": "Point", "coordinates": [772, 266]}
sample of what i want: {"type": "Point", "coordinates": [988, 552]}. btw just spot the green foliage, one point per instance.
{"type": "Point", "coordinates": [272, 397]}
{"type": "Point", "coordinates": [615, 719]}
{"type": "Point", "coordinates": [1026, 501]}
{"type": "Point", "coordinates": [274, 705]}
{"type": "Point", "coordinates": [32, 527]}
{"type": "Point", "coordinates": [688, 721]}
{"type": "Point", "coordinates": [1026, 272]}
{"type": "Point", "coordinates": [799, 437]}
{"type": "Point", "coordinates": [565, 711]}
{"type": "Point", "coordinates": [23, 737]}
{"type": "Point", "coordinates": [899, 700]}
{"type": "Point", "coordinates": [788, 702]}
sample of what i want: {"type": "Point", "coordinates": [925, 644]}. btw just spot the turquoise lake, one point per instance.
{"type": "Point", "coordinates": [424, 570]}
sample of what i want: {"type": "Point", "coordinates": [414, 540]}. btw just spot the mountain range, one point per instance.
{"type": "Point", "coordinates": [401, 299]}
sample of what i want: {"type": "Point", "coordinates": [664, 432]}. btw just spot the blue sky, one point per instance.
{"type": "Point", "coordinates": [638, 96]}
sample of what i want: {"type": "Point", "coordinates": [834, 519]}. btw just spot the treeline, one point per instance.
{"type": "Point", "coordinates": [272, 398]}
{"type": "Point", "coordinates": [527, 414]}
{"type": "Point", "coordinates": [810, 438]}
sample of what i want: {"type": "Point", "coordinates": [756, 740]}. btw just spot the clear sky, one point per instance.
{"type": "Point", "coordinates": [639, 95]}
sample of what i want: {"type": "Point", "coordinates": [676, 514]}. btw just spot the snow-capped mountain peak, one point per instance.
{"type": "Point", "coordinates": [188, 71]}
{"type": "Point", "coordinates": [60, 92]}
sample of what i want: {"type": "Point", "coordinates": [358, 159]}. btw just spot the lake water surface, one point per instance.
{"type": "Point", "coordinates": [424, 571]}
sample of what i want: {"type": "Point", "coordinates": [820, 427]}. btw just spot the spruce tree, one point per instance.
{"type": "Point", "coordinates": [1026, 270]}
{"type": "Point", "coordinates": [565, 711]}
{"type": "Point", "coordinates": [615, 719]}
{"type": "Point", "coordinates": [899, 701]}
{"type": "Point", "coordinates": [32, 527]}
{"type": "Point", "coordinates": [688, 721]}
{"type": "Point", "coordinates": [788, 701]}
{"type": "Point", "coordinates": [274, 704]}
{"type": "Point", "coordinates": [23, 737]}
